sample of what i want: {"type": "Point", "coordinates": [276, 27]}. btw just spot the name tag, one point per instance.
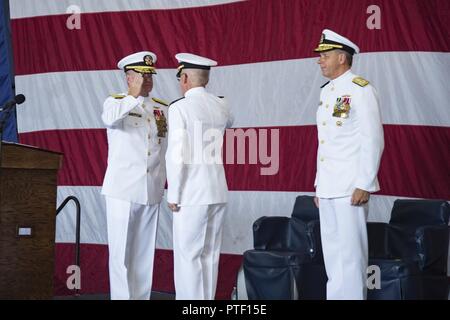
{"type": "Point", "coordinates": [132, 114]}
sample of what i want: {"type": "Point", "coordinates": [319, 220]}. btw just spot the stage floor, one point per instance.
{"type": "Point", "coordinates": [154, 296]}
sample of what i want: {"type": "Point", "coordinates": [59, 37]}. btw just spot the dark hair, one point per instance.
{"type": "Point", "coordinates": [348, 56]}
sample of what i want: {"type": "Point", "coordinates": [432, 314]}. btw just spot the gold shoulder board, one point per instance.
{"type": "Point", "coordinates": [118, 96]}
{"type": "Point", "coordinates": [360, 81]}
{"type": "Point", "coordinates": [160, 102]}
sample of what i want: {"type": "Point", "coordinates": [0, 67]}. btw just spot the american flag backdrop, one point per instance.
{"type": "Point", "coordinates": [65, 55]}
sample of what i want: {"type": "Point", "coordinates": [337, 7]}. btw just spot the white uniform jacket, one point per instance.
{"type": "Point", "coordinates": [136, 165]}
{"type": "Point", "coordinates": [195, 173]}
{"type": "Point", "coordinates": [350, 135]}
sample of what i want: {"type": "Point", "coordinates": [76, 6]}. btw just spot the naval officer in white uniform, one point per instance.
{"type": "Point", "coordinates": [135, 177]}
{"type": "Point", "coordinates": [197, 188]}
{"type": "Point", "coordinates": [351, 143]}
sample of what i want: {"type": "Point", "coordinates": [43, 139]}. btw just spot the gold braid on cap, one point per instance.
{"type": "Point", "coordinates": [328, 46]}
{"type": "Point", "coordinates": [142, 69]}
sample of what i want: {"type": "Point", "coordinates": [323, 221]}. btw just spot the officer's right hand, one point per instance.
{"type": "Point", "coordinates": [135, 85]}
{"type": "Point", "coordinates": [174, 207]}
{"type": "Point", "coordinates": [316, 201]}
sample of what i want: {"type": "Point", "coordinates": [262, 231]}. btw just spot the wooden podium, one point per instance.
{"type": "Point", "coordinates": [27, 221]}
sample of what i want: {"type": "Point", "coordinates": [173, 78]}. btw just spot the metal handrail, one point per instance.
{"type": "Point", "coordinates": [77, 227]}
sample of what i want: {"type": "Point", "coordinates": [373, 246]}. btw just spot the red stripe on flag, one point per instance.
{"type": "Point", "coordinates": [85, 153]}
{"type": "Point", "coordinates": [236, 33]}
{"type": "Point", "coordinates": [95, 275]}
{"type": "Point", "coordinates": [415, 162]}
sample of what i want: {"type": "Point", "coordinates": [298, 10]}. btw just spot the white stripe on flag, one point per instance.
{"type": "Point", "coordinates": [279, 93]}
{"type": "Point", "coordinates": [31, 8]}
{"type": "Point", "coordinates": [243, 208]}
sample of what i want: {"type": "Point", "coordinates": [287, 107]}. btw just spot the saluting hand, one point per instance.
{"type": "Point", "coordinates": [360, 197]}
{"type": "Point", "coordinates": [135, 85]}
{"type": "Point", "coordinates": [174, 207]}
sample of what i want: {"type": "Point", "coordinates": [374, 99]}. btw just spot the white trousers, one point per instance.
{"type": "Point", "coordinates": [197, 238]}
{"type": "Point", "coordinates": [344, 241]}
{"type": "Point", "coordinates": [131, 242]}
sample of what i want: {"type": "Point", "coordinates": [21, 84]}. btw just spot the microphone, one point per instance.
{"type": "Point", "coordinates": [18, 99]}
